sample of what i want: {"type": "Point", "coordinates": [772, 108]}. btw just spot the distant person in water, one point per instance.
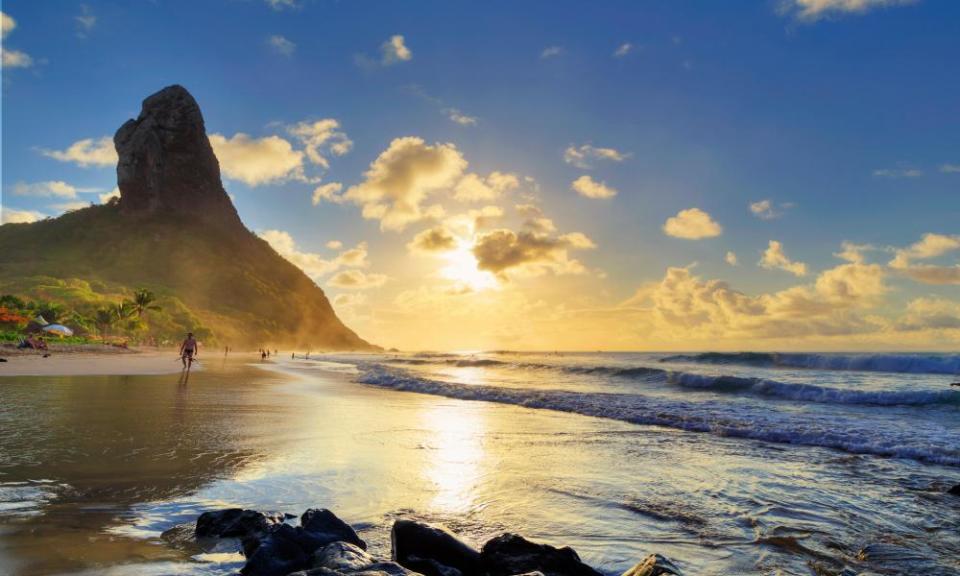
{"type": "Point", "coordinates": [263, 354]}
{"type": "Point", "coordinates": [188, 350]}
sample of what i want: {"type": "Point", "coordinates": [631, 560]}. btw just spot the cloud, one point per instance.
{"type": "Point", "coordinates": [853, 252]}
{"type": "Point", "coordinates": [312, 264]}
{"type": "Point", "coordinates": [12, 216]}
{"type": "Point", "coordinates": [623, 50]}
{"type": "Point", "coordinates": [437, 239]}
{"type": "Point", "coordinates": [87, 152]}
{"type": "Point", "coordinates": [590, 188]}
{"type": "Point", "coordinates": [256, 161]}
{"type": "Point", "coordinates": [895, 173]}
{"type": "Point", "coordinates": [767, 210]}
{"type": "Point", "coordinates": [582, 155]}
{"type": "Point", "coordinates": [12, 58]}
{"type": "Point", "coordinates": [731, 259]}
{"type": "Point", "coordinates": [15, 58]}
{"type": "Point", "coordinates": [356, 280]}
{"type": "Point", "coordinates": [394, 51]}
{"type": "Point", "coordinates": [475, 188]}
{"type": "Point", "coordinates": [551, 52]}
{"type": "Point", "coordinates": [813, 10]}
{"type": "Point", "coordinates": [329, 192]}
{"type": "Point", "coordinates": [282, 4]}
{"type": "Point", "coordinates": [321, 137]}
{"type": "Point", "coordinates": [402, 178]}
{"type": "Point", "coordinates": [683, 305]}
{"type": "Point", "coordinates": [930, 314]}
{"type": "Point", "coordinates": [107, 196]}
{"type": "Point", "coordinates": [281, 45]}
{"type": "Point", "coordinates": [929, 247]}
{"type": "Point", "coordinates": [334, 244]}
{"type": "Point", "coordinates": [950, 168]}
{"type": "Point", "coordinates": [530, 253]}
{"type": "Point", "coordinates": [534, 219]}
{"type": "Point", "coordinates": [50, 189]}
{"type": "Point", "coordinates": [86, 20]}
{"type": "Point", "coordinates": [7, 24]}
{"type": "Point", "coordinates": [692, 224]}
{"type": "Point", "coordinates": [775, 258]}
{"type": "Point", "coordinates": [460, 118]}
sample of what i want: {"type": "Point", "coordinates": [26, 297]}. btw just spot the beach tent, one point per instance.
{"type": "Point", "coordinates": [58, 329]}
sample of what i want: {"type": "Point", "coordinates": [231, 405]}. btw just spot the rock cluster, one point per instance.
{"type": "Point", "coordinates": [324, 545]}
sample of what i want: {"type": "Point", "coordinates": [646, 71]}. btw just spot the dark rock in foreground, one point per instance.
{"type": "Point", "coordinates": [325, 545]}
{"type": "Point", "coordinates": [432, 550]}
{"type": "Point", "coordinates": [510, 554]}
{"type": "Point", "coordinates": [955, 490]}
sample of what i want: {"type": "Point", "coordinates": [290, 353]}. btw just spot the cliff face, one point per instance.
{"type": "Point", "coordinates": [176, 232]}
{"type": "Point", "coordinates": [166, 162]}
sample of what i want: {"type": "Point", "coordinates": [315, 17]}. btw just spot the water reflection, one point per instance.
{"type": "Point", "coordinates": [456, 433]}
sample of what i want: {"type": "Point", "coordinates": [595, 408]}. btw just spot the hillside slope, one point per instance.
{"type": "Point", "coordinates": [174, 230]}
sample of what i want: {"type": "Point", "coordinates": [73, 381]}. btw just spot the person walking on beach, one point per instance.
{"type": "Point", "coordinates": [188, 350]}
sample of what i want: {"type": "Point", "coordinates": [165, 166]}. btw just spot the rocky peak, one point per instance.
{"type": "Point", "coordinates": [166, 163]}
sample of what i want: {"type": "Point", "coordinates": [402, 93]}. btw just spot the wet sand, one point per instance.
{"type": "Point", "coordinates": [93, 363]}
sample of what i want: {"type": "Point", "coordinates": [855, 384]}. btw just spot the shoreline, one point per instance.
{"type": "Point", "coordinates": [120, 362]}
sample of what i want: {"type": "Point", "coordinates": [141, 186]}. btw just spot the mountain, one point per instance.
{"type": "Point", "coordinates": [175, 231]}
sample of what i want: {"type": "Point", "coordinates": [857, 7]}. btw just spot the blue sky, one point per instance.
{"type": "Point", "coordinates": [843, 114]}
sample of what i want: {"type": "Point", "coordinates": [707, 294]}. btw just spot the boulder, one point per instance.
{"type": "Point", "coordinates": [654, 565]}
{"type": "Point", "coordinates": [342, 557]}
{"type": "Point", "coordinates": [432, 550]}
{"type": "Point", "coordinates": [325, 526]}
{"type": "Point", "coordinates": [510, 554]}
{"type": "Point", "coordinates": [378, 569]}
{"type": "Point", "coordinates": [955, 491]}
{"type": "Point", "coordinates": [235, 523]}
{"type": "Point", "coordinates": [275, 554]}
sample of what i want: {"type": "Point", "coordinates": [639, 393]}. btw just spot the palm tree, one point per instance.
{"type": "Point", "coordinates": [104, 319]}
{"type": "Point", "coordinates": [142, 301]}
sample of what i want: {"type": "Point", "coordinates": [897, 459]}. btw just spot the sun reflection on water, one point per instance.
{"type": "Point", "coordinates": [455, 466]}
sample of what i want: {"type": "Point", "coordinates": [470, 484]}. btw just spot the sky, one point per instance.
{"type": "Point", "coordinates": [656, 175]}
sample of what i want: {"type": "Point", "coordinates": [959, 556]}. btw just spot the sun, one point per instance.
{"type": "Point", "coordinates": [462, 267]}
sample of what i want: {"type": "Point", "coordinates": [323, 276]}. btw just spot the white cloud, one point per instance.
{"type": "Point", "coordinates": [281, 4]}
{"type": "Point", "coordinates": [767, 210]}
{"type": "Point", "coordinates": [853, 252]}
{"type": "Point", "coordinates": [50, 189]}
{"type": "Point", "coordinates": [900, 172]}
{"type": "Point", "coordinates": [12, 216]}
{"type": "Point", "coordinates": [321, 137]}
{"type": "Point", "coordinates": [356, 280]}
{"type": "Point", "coordinates": [590, 188]}
{"type": "Point", "coordinates": [551, 52]}
{"type": "Point", "coordinates": [812, 10]}
{"type": "Point", "coordinates": [431, 240]}
{"type": "Point", "coordinates": [86, 20]}
{"type": "Point", "coordinates": [459, 117]}
{"type": "Point", "coordinates": [582, 155]}
{"type": "Point", "coordinates": [692, 224]}
{"type": "Point", "coordinates": [929, 247]}
{"type": "Point", "coordinates": [622, 50]}
{"type": "Point", "coordinates": [775, 258]}
{"type": "Point", "coordinates": [731, 259]}
{"type": "Point", "coordinates": [329, 192]}
{"type": "Point", "coordinates": [402, 178]}
{"type": "Point", "coordinates": [314, 265]}
{"type": "Point", "coordinates": [281, 45]}
{"type": "Point", "coordinates": [394, 51]}
{"type": "Point", "coordinates": [87, 152]}
{"type": "Point", "coordinates": [106, 197]}
{"type": "Point", "coordinates": [256, 161]}
{"type": "Point", "coordinates": [475, 188]}
{"type": "Point", "coordinates": [950, 168]}
{"type": "Point", "coordinates": [7, 24]}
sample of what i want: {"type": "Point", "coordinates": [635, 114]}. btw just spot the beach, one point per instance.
{"type": "Point", "coordinates": [87, 362]}
{"type": "Point", "coordinates": [106, 474]}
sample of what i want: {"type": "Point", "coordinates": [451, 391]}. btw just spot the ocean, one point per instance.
{"type": "Point", "coordinates": [785, 464]}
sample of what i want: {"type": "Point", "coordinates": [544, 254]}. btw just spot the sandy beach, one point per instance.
{"type": "Point", "coordinates": [119, 363]}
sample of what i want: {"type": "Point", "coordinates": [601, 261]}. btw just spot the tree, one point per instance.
{"type": "Point", "coordinates": [142, 301]}
{"type": "Point", "coordinates": [104, 319]}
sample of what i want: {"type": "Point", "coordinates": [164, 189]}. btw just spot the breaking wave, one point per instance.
{"type": "Point", "coordinates": [902, 363]}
